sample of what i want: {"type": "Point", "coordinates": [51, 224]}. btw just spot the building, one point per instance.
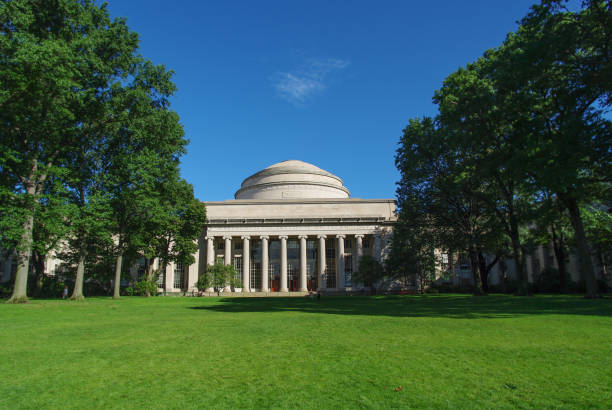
{"type": "Point", "coordinates": [293, 227]}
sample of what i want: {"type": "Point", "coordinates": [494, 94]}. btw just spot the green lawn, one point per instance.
{"type": "Point", "coordinates": [374, 352]}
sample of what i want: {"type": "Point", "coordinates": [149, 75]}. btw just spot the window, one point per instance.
{"type": "Point", "coordinates": [220, 245]}
{"type": "Point", "coordinates": [348, 270]}
{"type": "Point", "coordinates": [348, 244]}
{"type": "Point", "coordinates": [238, 265]}
{"type": "Point", "coordinates": [179, 276]}
{"type": "Point", "coordinates": [141, 271]}
{"type": "Point", "coordinates": [366, 243]}
{"type": "Point", "coordinates": [238, 246]}
{"type": "Point", "coordinates": [161, 279]}
{"type": "Point", "coordinates": [255, 275]}
{"type": "Point", "coordinates": [330, 262]}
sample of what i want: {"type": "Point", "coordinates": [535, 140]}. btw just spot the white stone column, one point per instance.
{"type": "Point", "coordinates": [210, 250]}
{"type": "Point", "coordinates": [358, 251]}
{"type": "Point", "coordinates": [228, 258]}
{"type": "Point", "coordinates": [169, 277]}
{"type": "Point", "coordinates": [192, 272]}
{"type": "Point", "coordinates": [377, 248]}
{"type": "Point", "coordinates": [321, 273]}
{"type": "Point", "coordinates": [340, 263]}
{"type": "Point", "coordinates": [264, 264]}
{"type": "Point", "coordinates": [303, 276]}
{"type": "Point", "coordinates": [357, 254]}
{"type": "Point", "coordinates": [246, 264]}
{"type": "Point", "coordinates": [283, 278]}
{"type": "Point", "coordinates": [210, 256]}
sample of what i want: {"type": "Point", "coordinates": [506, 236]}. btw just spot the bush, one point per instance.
{"type": "Point", "coordinates": [52, 287]}
{"type": "Point", "coordinates": [204, 282]}
{"type": "Point", "coordinates": [142, 286]}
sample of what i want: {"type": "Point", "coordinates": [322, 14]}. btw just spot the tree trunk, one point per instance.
{"type": "Point", "coordinates": [163, 268]}
{"type": "Point", "coordinates": [118, 276]}
{"type": "Point", "coordinates": [584, 254]}
{"type": "Point", "coordinates": [24, 249]}
{"type": "Point", "coordinates": [558, 247]}
{"type": "Point", "coordinates": [474, 265]}
{"type": "Point", "coordinates": [77, 293]}
{"type": "Point", "coordinates": [519, 257]}
{"type": "Point", "coordinates": [149, 275]}
{"type": "Point", "coordinates": [484, 272]}
{"type": "Point", "coordinates": [39, 270]}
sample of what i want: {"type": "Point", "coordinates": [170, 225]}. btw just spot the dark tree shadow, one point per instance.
{"type": "Point", "coordinates": [449, 306]}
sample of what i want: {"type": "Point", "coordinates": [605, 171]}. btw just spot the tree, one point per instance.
{"type": "Point", "coordinates": [217, 276]}
{"type": "Point", "coordinates": [58, 59]}
{"type": "Point", "coordinates": [412, 259]}
{"type": "Point", "coordinates": [176, 225]}
{"type": "Point", "coordinates": [441, 203]}
{"type": "Point", "coordinates": [142, 158]}
{"type": "Point", "coordinates": [559, 65]}
{"type": "Point", "coordinates": [489, 147]}
{"type": "Point", "coordinates": [370, 272]}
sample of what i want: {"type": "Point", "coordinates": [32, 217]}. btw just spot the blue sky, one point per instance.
{"type": "Point", "coordinates": [332, 83]}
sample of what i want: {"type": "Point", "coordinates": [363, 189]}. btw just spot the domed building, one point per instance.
{"type": "Point", "coordinates": [292, 227]}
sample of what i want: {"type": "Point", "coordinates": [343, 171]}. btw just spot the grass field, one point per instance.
{"type": "Point", "coordinates": [341, 352]}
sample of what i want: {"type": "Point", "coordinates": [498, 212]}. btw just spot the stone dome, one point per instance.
{"type": "Point", "coordinates": [292, 180]}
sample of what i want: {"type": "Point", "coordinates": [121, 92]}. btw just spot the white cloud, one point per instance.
{"type": "Point", "coordinates": [300, 85]}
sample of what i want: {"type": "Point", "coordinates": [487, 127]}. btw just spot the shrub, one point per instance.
{"type": "Point", "coordinates": [142, 286]}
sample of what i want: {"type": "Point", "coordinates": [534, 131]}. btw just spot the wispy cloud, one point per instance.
{"type": "Point", "coordinates": [300, 85]}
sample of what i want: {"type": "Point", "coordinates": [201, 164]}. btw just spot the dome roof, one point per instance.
{"type": "Point", "coordinates": [292, 180]}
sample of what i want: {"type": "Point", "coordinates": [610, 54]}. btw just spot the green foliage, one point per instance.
{"type": "Point", "coordinates": [51, 111]}
{"type": "Point", "coordinates": [89, 145]}
{"type": "Point", "coordinates": [370, 272]}
{"type": "Point", "coordinates": [146, 286]}
{"type": "Point", "coordinates": [217, 276]}
{"type": "Point", "coordinates": [204, 282]}
{"type": "Point", "coordinates": [520, 132]}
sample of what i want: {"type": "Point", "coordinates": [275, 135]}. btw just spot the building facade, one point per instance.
{"type": "Point", "coordinates": [293, 227]}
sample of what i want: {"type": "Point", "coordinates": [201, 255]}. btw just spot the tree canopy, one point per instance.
{"type": "Point", "coordinates": [88, 143]}
{"type": "Point", "coordinates": [525, 124]}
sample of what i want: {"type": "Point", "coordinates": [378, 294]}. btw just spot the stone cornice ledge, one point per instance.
{"type": "Point", "coordinates": [297, 201]}
{"type": "Point", "coordinates": [293, 221]}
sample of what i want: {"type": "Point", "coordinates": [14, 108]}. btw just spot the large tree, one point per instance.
{"type": "Point", "coordinates": [441, 199]}
{"type": "Point", "coordinates": [57, 60]}
{"type": "Point", "coordinates": [561, 63]}
{"type": "Point", "coordinates": [179, 218]}
{"type": "Point", "coordinates": [145, 144]}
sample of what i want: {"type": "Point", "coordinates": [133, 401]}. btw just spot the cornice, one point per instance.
{"type": "Point", "coordinates": [231, 202]}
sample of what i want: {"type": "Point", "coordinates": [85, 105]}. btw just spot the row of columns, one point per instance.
{"type": "Point", "coordinates": [246, 277]}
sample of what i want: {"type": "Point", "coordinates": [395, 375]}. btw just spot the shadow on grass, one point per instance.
{"type": "Point", "coordinates": [447, 306]}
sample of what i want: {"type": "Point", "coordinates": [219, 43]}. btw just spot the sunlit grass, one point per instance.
{"type": "Point", "coordinates": [409, 351]}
